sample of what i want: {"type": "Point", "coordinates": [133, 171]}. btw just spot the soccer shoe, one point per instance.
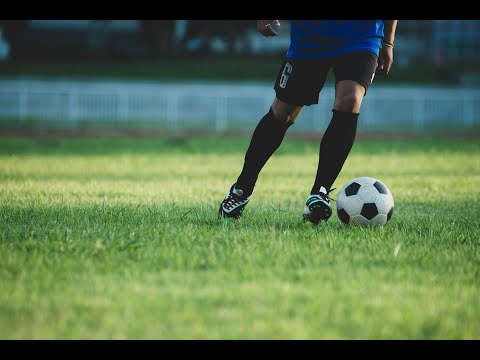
{"type": "Point", "coordinates": [233, 204]}
{"type": "Point", "coordinates": [317, 207]}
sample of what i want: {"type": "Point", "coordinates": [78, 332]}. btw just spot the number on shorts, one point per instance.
{"type": "Point", "coordinates": [287, 70]}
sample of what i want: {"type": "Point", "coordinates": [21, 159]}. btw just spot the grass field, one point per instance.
{"type": "Point", "coordinates": [118, 239]}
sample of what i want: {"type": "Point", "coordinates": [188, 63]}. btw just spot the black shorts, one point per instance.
{"type": "Point", "coordinates": [300, 81]}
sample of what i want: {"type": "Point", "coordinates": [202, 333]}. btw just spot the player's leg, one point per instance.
{"type": "Point", "coordinates": [293, 90]}
{"type": "Point", "coordinates": [266, 139]}
{"type": "Point", "coordinates": [340, 134]}
{"type": "Point", "coordinates": [353, 74]}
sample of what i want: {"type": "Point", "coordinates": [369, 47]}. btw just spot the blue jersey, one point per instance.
{"type": "Point", "coordinates": [322, 38]}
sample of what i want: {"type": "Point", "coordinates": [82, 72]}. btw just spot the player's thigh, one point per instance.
{"type": "Point", "coordinates": [299, 81]}
{"type": "Point", "coordinates": [359, 67]}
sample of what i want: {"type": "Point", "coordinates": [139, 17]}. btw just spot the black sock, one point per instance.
{"type": "Point", "coordinates": [266, 139]}
{"type": "Point", "coordinates": [334, 148]}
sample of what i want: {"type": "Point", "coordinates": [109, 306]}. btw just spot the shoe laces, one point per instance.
{"type": "Point", "coordinates": [327, 196]}
{"type": "Point", "coordinates": [231, 200]}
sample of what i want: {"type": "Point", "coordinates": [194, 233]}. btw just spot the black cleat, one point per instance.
{"type": "Point", "coordinates": [233, 204]}
{"type": "Point", "coordinates": [317, 207]}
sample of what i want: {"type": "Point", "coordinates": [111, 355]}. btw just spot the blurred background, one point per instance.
{"type": "Point", "coordinates": [186, 77]}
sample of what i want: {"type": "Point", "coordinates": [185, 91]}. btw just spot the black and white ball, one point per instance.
{"type": "Point", "coordinates": [365, 201]}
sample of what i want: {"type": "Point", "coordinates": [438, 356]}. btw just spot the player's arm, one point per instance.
{"type": "Point", "coordinates": [265, 27]}
{"type": "Point", "coordinates": [385, 58]}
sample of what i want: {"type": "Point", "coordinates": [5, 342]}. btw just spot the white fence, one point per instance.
{"type": "Point", "coordinates": [225, 106]}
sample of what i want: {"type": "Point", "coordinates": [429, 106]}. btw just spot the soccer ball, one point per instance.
{"type": "Point", "coordinates": [365, 201]}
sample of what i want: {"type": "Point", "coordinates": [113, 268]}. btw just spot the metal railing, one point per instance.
{"type": "Point", "coordinates": [222, 107]}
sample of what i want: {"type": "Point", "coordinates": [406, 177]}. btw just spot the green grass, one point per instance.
{"type": "Point", "coordinates": [118, 239]}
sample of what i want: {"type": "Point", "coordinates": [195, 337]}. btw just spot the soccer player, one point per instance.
{"type": "Point", "coordinates": [356, 50]}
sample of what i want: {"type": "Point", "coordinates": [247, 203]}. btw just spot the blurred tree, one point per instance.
{"type": "Point", "coordinates": [14, 32]}
{"type": "Point", "coordinates": [99, 38]}
{"type": "Point", "coordinates": [230, 31]}
{"type": "Point", "coordinates": [237, 32]}
{"type": "Point", "coordinates": [157, 36]}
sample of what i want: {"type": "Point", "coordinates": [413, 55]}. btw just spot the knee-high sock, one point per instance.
{"type": "Point", "coordinates": [266, 139]}
{"type": "Point", "coordinates": [334, 148]}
